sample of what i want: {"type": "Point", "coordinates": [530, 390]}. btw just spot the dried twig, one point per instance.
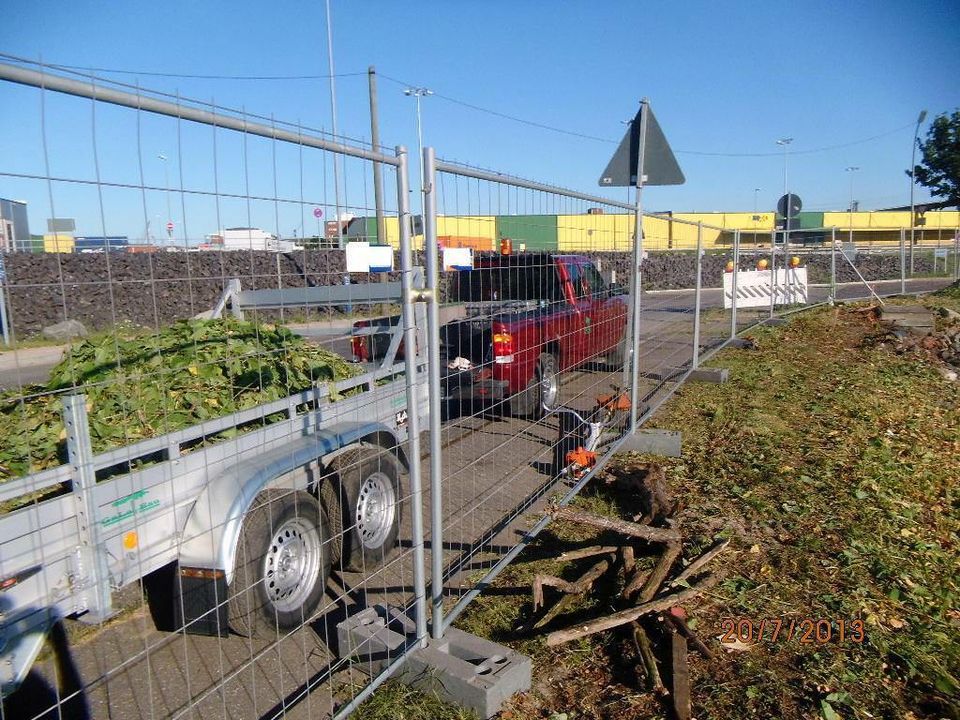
{"type": "Point", "coordinates": [551, 581]}
{"type": "Point", "coordinates": [680, 625]}
{"type": "Point", "coordinates": [650, 584]}
{"type": "Point", "coordinates": [627, 559]}
{"type": "Point", "coordinates": [592, 551]}
{"type": "Point", "coordinates": [642, 642]}
{"type": "Point", "coordinates": [700, 562]}
{"type": "Point", "coordinates": [624, 617]}
{"type": "Point", "coordinates": [577, 587]}
{"type": "Point", "coordinates": [624, 527]}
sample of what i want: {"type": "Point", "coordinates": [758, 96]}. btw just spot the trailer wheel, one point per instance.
{"type": "Point", "coordinates": [362, 499]}
{"type": "Point", "coordinates": [543, 389]}
{"type": "Point", "coordinates": [282, 563]}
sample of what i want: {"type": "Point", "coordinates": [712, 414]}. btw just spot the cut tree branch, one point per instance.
{"type": "Point", "coordinates": [624, 617]}
{"type": "Point", "coordinates": [624, 527]}
{"type": "Point", "coordinates": [694, 567]}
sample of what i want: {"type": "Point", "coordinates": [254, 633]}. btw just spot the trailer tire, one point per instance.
{"type": "Point", "coordinates": [362, 500]}
{"type": "Point", "coordinates": [282, 563]}
{"type": "Point", "coordinates": [544, 387]}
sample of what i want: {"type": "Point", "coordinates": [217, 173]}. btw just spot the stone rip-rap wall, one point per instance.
{"type": "Point", "coordinates": [153, 289]}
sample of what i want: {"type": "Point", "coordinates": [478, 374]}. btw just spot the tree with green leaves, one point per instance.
{"type": "Point", "coordinates": [939, 168]}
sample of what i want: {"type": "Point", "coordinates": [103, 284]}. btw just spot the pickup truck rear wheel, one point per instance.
{"type": "Point", "coordinates": [543, 389]}
{"type": "Point", "coordinates": [618, 357]}
{"type": "Point", "coordinates": [362, 499]}
{"type": "Point", "coordinates": [282, 563]}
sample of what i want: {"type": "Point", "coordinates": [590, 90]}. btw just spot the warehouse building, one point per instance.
{"type": "Point", "coordinates": [14, 228]}
{"type": "Point", "coordinates": [671, 231]}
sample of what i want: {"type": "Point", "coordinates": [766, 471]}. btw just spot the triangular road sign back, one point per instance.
{"type": "Point", "coordinates": [659, 164]}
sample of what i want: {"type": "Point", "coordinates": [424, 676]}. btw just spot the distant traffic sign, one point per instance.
{"type": "Point", "coordinates": [170, 226]}
{"type": "Point", "coordinates": [317, 213]}
{"type": "Point", "coordinates": [789, 205]}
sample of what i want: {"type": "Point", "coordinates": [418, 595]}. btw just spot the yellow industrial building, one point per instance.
{"type": "Point", "coordinates": [678, 231]}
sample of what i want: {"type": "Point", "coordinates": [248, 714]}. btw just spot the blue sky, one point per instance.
{"type": "Point", "coordinates": [845, 80]}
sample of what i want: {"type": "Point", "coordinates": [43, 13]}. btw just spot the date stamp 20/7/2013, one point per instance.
{"type": "Point", "coordinates": [807, 631]}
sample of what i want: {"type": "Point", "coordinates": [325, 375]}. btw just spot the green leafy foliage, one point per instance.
{"type": "Point", "coordinates": [143, 385]}
{"type": "Point", "coordinates": [940, 165]}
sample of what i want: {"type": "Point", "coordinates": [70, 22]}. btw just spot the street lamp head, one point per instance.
{"type": "Point", "coordinates": [922, 117]}
{"type": "Point", "coordinates": [417, 91]}
{"type": "Point", "coordinates": [784, 141]}
{"type": "Point", "coordinates": [161, 156]}
{"type": "Point", "coordinates": [851, 168]}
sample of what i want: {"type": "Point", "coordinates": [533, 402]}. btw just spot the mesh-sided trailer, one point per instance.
{"type": "Point", "coordinates": [251, 524]}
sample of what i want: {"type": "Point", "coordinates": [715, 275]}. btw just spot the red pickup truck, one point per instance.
{"type": "Point", "coordinates": [528, 317]}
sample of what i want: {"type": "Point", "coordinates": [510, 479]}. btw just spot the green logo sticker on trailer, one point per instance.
{"type": "Point", "coordinates": [133, 509]}
{"type": "Point", "coordinates": [587, 328]}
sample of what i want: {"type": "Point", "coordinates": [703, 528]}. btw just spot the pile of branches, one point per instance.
{"type": "Point", "coordinates": [650, 605]}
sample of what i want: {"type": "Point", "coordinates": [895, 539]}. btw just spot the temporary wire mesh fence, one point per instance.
{"type": "Point", "coordinates": [199, 493]}
{"type": "Point", "coordinates": [206, 490]}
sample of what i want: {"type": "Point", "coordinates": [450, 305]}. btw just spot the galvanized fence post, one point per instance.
{"type": "Point", "coordinates": [833, 264]}
{"type": "Point", "coordinates": [773, 270]}
{"type": "Point", "coordinates": [956, 255]}
{"type": "Point", "coordinates": [413, 411]}
{"type": "Point", "coordinates": [93, 571]}
{"type": "Point", "coordinates": [4, 319]}
{"type": "Point", "coordinates": [696, 297]}
{"type": "Point", "coordinates": [903, 262]}
{"type": "Point", "coordinates": [433, 350]}
{"type": "Point", "coordinates": [736, 271]}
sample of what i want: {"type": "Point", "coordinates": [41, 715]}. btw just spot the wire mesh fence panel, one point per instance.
{"type": "Point", "coordinates": [210, 450]}
{"type": "Point", "coordinates": [535, 376]}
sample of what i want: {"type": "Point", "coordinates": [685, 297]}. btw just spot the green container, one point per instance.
{"type": "Point", "coordinates": [534, 232]}
{"type": "Point", "coordinates": [807, 221]}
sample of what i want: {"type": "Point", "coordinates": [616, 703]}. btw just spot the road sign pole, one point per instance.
{"type": "Point", "coordinates": [636, 283]}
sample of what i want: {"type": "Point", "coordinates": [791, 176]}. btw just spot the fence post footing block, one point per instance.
{"type": "Point", "coordinates": [710, 375]}
{"type": "Point", "coordinates": [375, 636]}
{"type": "Point", "coordinates": [469, 671]}
{"type": "Point", "coordinates": [653, 442]}
{"type": "Point", "coordinates": [740, 343]}
{"type": "Point", "coordinates": [775, 321]}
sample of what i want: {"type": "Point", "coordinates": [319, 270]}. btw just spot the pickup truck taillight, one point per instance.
{"type": "Point", "coordinates": [502, 347]}
{"type": "Point", "coordinates": [358, 343]}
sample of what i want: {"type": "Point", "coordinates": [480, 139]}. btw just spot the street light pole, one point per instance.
{"type": "Point", "coordinates": [417, 93]}
{"type": "Point", "coordinates": [851, 169]}
{"type": "Point", "coordinates": [913, 164]}
{"type": "Point", "coordinates": [785, 144]}
{"type": "Point", "coordinates": [166, 184]}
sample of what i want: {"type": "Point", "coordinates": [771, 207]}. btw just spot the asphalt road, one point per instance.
{"type": "Point", "coordinates": [496, 479]}
{"type": "Point", "coordinates": [19, 368]}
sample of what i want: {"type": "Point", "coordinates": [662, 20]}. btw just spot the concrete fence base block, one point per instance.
{"type": "Point", "coordinates": [653, 442]}
{"type": "Point", "coordinates": [774, 321]}
{"type": "Point", "coordinates": [710, 375]}
{"type": "Point", "coordinates": [468, 671]}
{"type": "Point", "coordinates": [374, 636]}
{"type": "Point", "coordinates": [740, 343]}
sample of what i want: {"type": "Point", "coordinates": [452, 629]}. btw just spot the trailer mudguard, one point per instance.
{"type": "Point", "coordinates": [212, 529]}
